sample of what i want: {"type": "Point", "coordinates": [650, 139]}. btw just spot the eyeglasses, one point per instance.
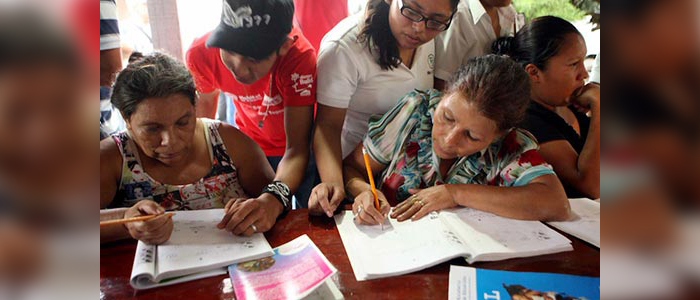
{"type": "Point", "coordinates": [415, 16]}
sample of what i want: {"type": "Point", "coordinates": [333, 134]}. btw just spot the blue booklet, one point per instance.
{"type": "Point", "coordinates": [471, 284]}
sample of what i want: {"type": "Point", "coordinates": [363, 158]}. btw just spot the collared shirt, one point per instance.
{"type": "Point", "coordinates": [349, 77]}
{"type": "Point", "coordinates": [402, 141]}
{"type": "Point", "coordinates": [470, 35]}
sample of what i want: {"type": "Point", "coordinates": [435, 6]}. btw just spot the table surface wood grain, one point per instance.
{"type": "Point", "coordinates": [116, 260]}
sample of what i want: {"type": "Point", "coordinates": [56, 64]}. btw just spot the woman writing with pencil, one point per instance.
{"type": "Point", "coordinates": [169, 160]}
{"type": "Point", "coordinates": [434, 151]}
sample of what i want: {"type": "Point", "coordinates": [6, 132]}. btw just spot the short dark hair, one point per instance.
{"type": "Point", "coordinates": [376, 33]}
{"type": "Point", "coordinates": [498, 86]}
{"type": "Point", "coordinates": [154, 75]}
{"type": "Point", "coordinates": [536, 42]}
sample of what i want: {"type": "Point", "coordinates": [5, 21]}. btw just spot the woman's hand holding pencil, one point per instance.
{"type": "Point", "coordinates": [370, 207]}
{"type": "Point", "coordinates": [365, 210]}
{"type": "Point", "coordinates": [146, 221]}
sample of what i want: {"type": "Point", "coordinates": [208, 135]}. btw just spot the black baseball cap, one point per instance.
{"type": "Point", "coordinates": [253, 28]}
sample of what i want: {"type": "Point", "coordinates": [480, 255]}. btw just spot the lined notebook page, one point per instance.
{"type": "Point", "coordinates": [584, 222]}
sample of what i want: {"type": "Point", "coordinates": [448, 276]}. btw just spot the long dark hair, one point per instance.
{"type": "Point", "coordinates": [536, 42]}
{"type": "Point", "coordinates": [376, 33]}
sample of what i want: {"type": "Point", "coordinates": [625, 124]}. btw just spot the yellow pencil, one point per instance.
{"type": "Point", "coordinates": [129, 220]}
{"type": "Point", "coordinates": [371, 180]}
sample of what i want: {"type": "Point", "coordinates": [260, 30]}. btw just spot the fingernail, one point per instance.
{"type": "Point", "coordinates": [329, 213]}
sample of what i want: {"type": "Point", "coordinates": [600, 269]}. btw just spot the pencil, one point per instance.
{"type": "Point", "coordinates": [129, 220]}
{"type": "Point", "coordinates": [371, 179]}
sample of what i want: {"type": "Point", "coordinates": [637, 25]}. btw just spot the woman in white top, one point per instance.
{"type": "Point", "coordinates": [366, 64]}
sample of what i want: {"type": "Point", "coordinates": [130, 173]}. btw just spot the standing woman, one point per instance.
{"type": "Point", "coordinates": [552, 52]}
{"type": "Point", "coordinates": [365, 66]}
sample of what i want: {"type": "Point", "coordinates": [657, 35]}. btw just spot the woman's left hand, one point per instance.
{"type": "Point", "coordinates": [249, 216]}
{"type": "Point", "coordinates": [422, 202]}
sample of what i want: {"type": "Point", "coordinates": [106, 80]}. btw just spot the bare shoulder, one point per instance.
{"type": "Point", "coordinates": [109, 153]}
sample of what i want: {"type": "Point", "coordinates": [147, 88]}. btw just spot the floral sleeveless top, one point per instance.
{"type": "Point", "coordinates": [211, 191]}
{"type": "Point", "coordinates": [402, 140]}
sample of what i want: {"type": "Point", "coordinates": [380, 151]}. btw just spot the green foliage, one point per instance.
{"type": "Point", "coordinates": [570, 10]}
{"type": "Point", "coordinates": [591, 8]}
{"type": "Point", "coordinates": [560, 8]}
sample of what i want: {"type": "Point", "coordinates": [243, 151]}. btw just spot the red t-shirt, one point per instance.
{"type": "Point", "coordinates": [317, 17]}
{"type": "Point", "coordinates": [260, 106]}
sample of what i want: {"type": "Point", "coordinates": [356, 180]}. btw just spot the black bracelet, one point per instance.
{"type": "Point", "coordinates": [281, 191]}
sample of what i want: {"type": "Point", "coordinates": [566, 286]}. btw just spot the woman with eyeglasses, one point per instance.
{"type": "Point", "coordinates": [366, 64]}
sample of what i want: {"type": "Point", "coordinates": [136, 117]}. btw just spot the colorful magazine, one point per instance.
{"type": "Point", "coordinates": [471, 284]}
{"type": "Point", "coordinates": [294, 271]}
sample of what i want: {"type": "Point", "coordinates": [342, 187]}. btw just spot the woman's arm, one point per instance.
{"type": "Point", "coordinates": [543, 199]}
{"type": "Point", "coordinates": [297, 127]}
{"type": "Point", "coordinates": [581, 171]}
{"type": "Point", "coordinates": [338, 76]}
{"type": "Point", "coordinates": [254, 171]}
{"type": "Point", "coordinates": [327, 148]}
{"type": "Point", "coordinates": [110, 174]}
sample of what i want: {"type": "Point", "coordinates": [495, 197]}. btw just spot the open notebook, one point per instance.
{"type": "Point", "coordinates": [409, 246]}
{"type": "Point", "coordinates": [196, 249]}
{"type": "Point", "coordinates": [584, 222]}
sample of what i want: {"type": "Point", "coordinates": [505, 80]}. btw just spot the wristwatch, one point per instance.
{"type": "Point", "coordinates": [281, 191]}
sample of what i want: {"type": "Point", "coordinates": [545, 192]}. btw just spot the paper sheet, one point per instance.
{"type": "Point", "coordinates": [585, 221]}
{"type": "Point", "coordinates": [195, 246]}
{"type": "Point", "coordinates": [493, 237]}
{"type": "Point", "coordinates": [402, 247]}
{"type": "Point", "coordinates": [197, 242]}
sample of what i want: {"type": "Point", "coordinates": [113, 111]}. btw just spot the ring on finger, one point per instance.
{"type": "Point", "coordinates": [415, 200]}
{"type": "Point", "coordinates": [359, 209]}
{"type": "Point", "coordinates": [255, 228]}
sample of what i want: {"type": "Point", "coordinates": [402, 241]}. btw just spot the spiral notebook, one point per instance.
{"type": "Point", "coordinates": [196, 249]}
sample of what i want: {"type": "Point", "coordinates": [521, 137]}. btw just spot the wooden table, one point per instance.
{"type": "Point", "coordinates": [116, 261]}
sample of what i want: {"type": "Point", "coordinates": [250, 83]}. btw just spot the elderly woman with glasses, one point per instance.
{"type": "Point", "coordinates": [366, 64]}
